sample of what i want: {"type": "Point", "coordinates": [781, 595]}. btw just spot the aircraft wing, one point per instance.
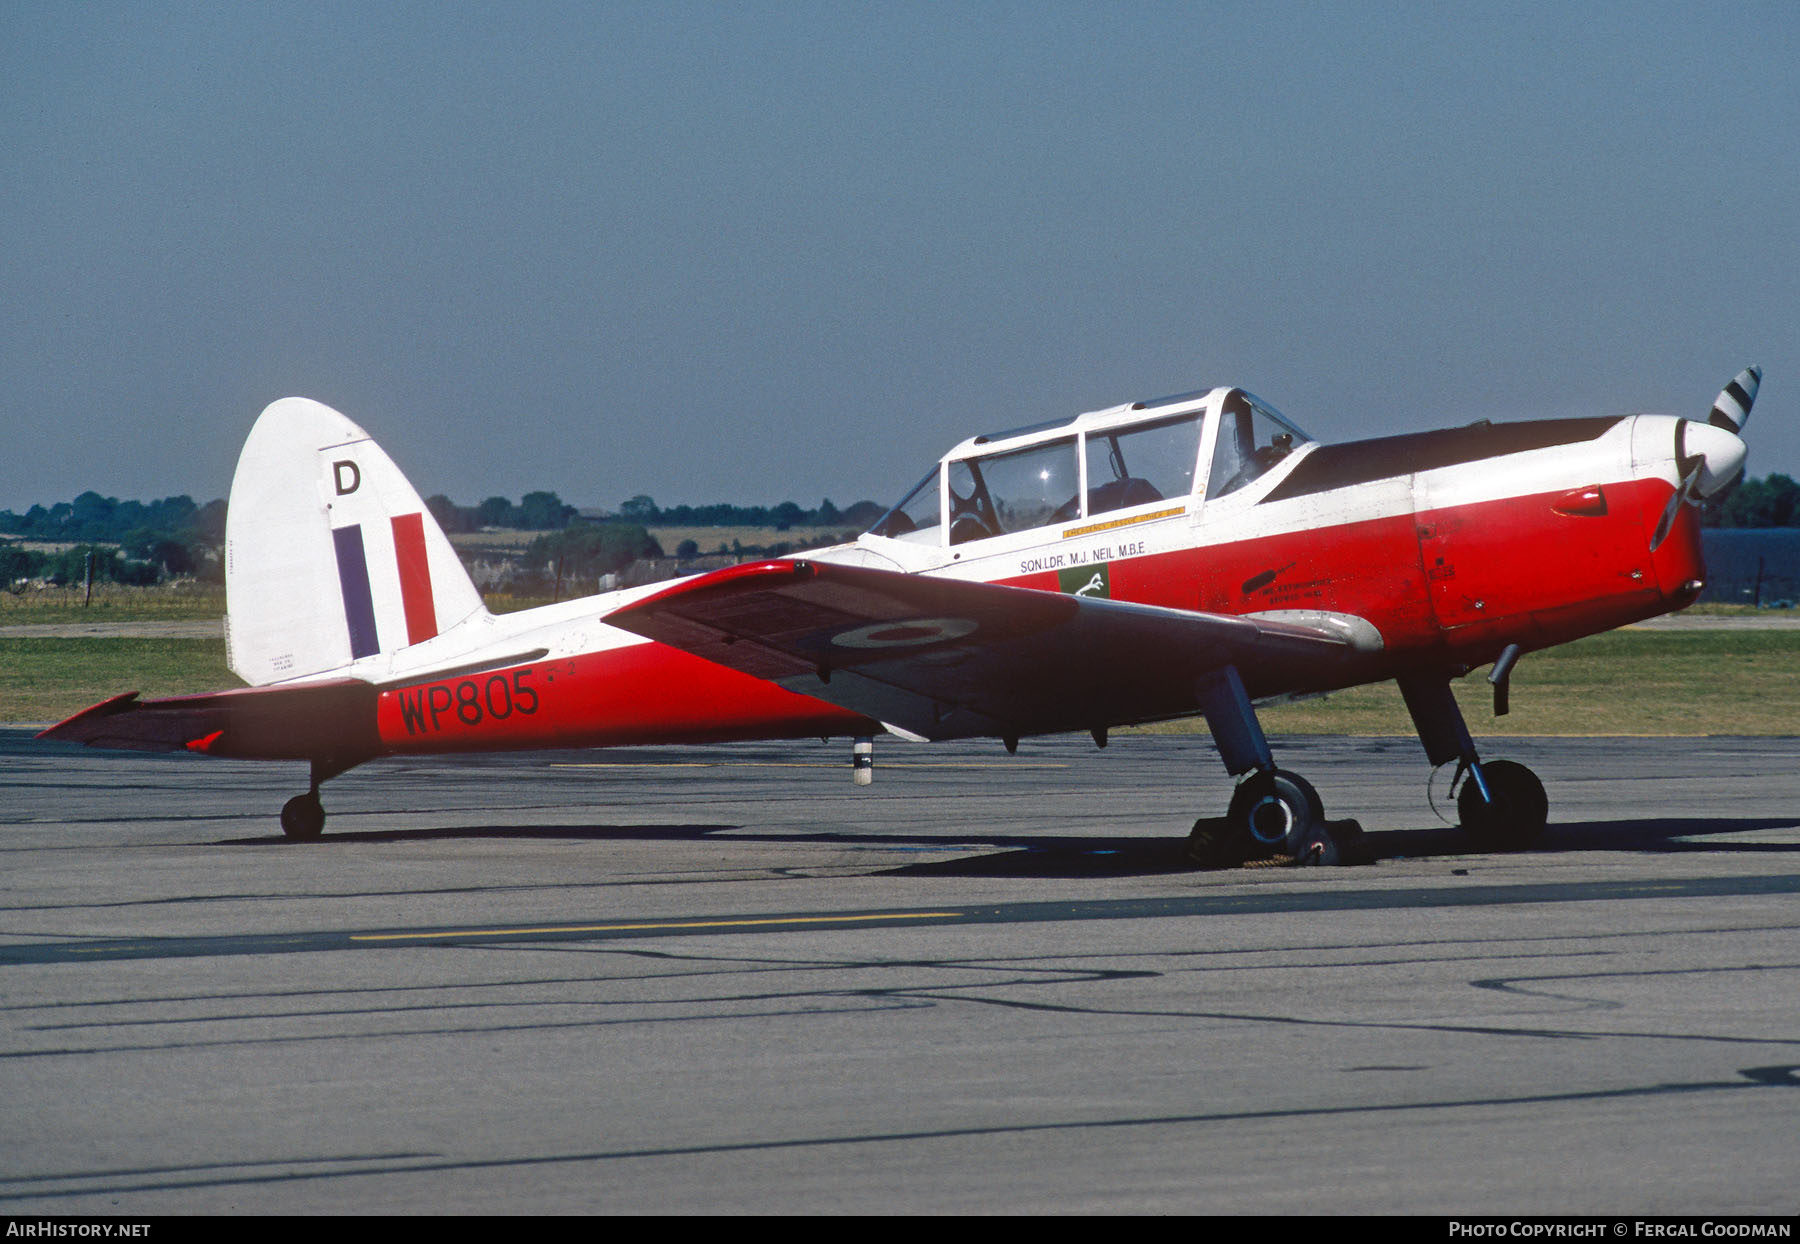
{"type": "Point", "coordinates": [945, 658]}
{"type": "Point", "coordinates": [300, 721]}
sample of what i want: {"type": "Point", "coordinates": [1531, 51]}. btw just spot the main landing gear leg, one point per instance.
{"type": "Point", "coordinates": [1271, 810]}
{"type": "Point", "coordinates": [303, 816]}
{"type": "Point", "coordinates": [1501, 803]}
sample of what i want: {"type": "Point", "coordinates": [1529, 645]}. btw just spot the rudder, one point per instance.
{"type": "Point", "coordinates": [330, 555]}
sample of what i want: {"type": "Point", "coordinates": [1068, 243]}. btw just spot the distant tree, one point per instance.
{"type": "Point", "coordinates": [543, 511]}
{"type": "Point", "coordinates": [198, 530]}
{"type": "Point", "coordinates": [16, 564]}
{"type": "Point", "coordinates": [827, 514]}
{"type": "Point", "coordinates": [206, 540]}
{"type": "Point", "coordinates": [1770, 502]}
{"type": "Point", "coordinates": [208, 523]}
{"type": "Point", "coordinates": [90, 518]}
{"type": "Point", "coordinates": [687, 548]}
{"type": "Point", "coordinates": [171, 513]}
{"type": "Point", "coordinates": [863, 514]}
{"type": "Point", "coordinates": [495, 512]}
{"type": "Point", "coordinates": [581, 552]}
{"type": "Point", "coordinates": [718, 515]}
{"type": "Point", "coordinates": [168, 555]}
{"type": "Point", "coordinates": [639, 509]}
{"type": "Point", "coordinates": [451, 516]}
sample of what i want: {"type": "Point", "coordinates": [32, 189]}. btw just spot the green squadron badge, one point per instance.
{"type": "Point", "coordinates": [1089, 580]}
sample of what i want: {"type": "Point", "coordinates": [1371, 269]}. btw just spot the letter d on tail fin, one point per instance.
{"type": "Point", "coordinates": [330, 556]}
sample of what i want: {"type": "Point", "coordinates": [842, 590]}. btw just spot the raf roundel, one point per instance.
{"type": "Point", "coordinates": [913, 634]}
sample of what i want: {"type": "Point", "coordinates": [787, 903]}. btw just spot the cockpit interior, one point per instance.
{"type": "Point", "coordinates": [1133, 456]}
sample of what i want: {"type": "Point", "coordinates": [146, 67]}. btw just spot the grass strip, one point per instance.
{"type": "Point", "coordinates": [46, 680]}
{"type": "Point", "coordinates": [1621, 683]}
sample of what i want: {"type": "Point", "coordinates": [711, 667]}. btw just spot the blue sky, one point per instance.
{"type": "Point", "coordinates": [755, 252]}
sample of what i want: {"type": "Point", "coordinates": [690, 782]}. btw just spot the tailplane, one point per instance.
{"type": "Point", "coordinates": [330, 556]}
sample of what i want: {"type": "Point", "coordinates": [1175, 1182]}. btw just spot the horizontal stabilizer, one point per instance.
{"type": "Point", "coordinates": [945, 658]}
{"type": "Point", "coordinates": [307, 721]}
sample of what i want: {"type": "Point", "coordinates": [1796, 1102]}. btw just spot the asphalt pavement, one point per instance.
{"type": "Point", "coordinates": [727, 980]}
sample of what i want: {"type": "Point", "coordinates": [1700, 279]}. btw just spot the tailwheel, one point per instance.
{"type": "Point", "coordinates": [303, 816]}
{"type": "Point", "coordinates": [1518, 810]}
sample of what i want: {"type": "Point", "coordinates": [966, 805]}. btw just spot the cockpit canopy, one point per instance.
{"type": "Point", "coordinates": [1108, 460]}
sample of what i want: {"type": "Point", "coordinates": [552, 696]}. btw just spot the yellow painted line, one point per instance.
{"type": "Point", "coordinates": [1110, 524]}
{"type": "Point", "coordinates": [638, 928]}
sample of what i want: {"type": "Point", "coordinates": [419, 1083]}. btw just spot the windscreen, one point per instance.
{"type": "Point", "coordinates": [915, 518]}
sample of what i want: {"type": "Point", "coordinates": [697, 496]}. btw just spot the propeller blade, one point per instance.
{"type": "Point", "coordinates": [1731, 409]}
{"type": "Point", "coordinates": [1688, 466]}
{"type": "Point", "coordinates": [1683, 495]}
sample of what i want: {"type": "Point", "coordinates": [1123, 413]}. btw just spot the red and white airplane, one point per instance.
{"type": "Point", "coordinates": [1190, 555]}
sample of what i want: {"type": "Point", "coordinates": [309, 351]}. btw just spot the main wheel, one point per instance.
{"type": "Point", "coordinates": [303, 816]}
{"type": "Point", "coordinates": [1275, 810]}
{"type": "Point", "coordinates": [1518, 813]}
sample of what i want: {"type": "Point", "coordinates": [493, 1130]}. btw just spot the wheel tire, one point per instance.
{"type": "Point", "coordinates": [303, 816]}
{"type": "Point", "coordinates": [1275, 810]}
{"type": "Point", "coordinates": [1516, 817]}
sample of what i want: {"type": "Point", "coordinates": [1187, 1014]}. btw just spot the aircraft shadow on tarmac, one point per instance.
{"type": "Point", "coordinates": [565, 833]}
{"type": "Point", "coordinates": [1075, 857]}
{"type": "Point", "coordinates": [1062, 855]}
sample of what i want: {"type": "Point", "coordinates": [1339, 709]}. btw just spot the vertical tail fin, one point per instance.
{"type": "Point", "coordinates": [330, 556]}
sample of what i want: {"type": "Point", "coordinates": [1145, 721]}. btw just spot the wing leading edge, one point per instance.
{"type": "Point", "coordinates": [945, 658]}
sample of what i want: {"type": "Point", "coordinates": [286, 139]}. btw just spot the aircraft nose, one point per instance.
{"type": "Point", "coordinates": [1718, 453]}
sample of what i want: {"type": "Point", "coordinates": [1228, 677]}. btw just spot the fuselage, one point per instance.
{"type": "Point", "coordinates": [1435, 550]}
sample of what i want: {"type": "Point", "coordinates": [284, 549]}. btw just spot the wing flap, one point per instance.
{"type": "Point", "coordinates": [946, 658]}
